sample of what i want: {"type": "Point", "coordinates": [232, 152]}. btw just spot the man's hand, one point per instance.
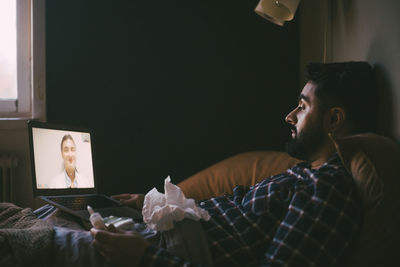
{"type": "Point", "coordinates": [119, 248]}
{"type": "Point", "coordinates": [133, 200]}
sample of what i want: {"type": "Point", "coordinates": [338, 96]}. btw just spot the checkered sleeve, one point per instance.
{"type": "Point", "coordinates": [320, 225]}
{"type": "Point", "coordinates": [160, 257]}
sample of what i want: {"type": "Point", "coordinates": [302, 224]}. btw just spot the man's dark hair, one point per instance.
{"type": "Point", "coordinates": [351, 86]}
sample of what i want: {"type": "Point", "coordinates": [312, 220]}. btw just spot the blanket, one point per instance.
{"type": "Point", "coordinates": [24, 239]}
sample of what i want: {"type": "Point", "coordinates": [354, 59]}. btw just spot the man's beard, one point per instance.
{"type": "Point", "coordinates": [305, 144]}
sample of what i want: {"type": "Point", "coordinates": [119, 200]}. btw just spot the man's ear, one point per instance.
{"type": "Point", "coordinates": [337, 120]}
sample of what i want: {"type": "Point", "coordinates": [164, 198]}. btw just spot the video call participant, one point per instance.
{"type": "Point", "coordinates": [69, 177]}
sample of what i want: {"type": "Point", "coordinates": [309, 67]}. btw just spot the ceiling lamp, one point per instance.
{"type": "Point", "coordinates": [277, 11]}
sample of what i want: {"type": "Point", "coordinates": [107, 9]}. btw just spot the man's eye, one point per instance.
{"type": "Point", "coordinates": [300, 107]}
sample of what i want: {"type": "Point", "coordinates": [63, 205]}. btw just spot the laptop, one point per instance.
{"type": "Point", "coordinates": [63, 173]}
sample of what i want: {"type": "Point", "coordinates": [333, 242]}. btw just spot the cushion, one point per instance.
{"type": "Point", "coordinates": [374, 162]}
{"type": "Point", "coordinates": [243, 169]}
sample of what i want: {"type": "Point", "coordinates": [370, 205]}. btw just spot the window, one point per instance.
{"type": "Point", "coordinates": [22, 59]}
{"type": "Point", "coordinates": [8, 50]}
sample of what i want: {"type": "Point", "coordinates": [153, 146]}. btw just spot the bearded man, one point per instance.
{"type": "Point", "coordinates": [310, 215]}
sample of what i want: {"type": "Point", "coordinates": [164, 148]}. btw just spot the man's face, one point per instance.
{"type": "Point", "coordinates": [307, 125]}
{"type": "Point", "coordinates": [68, 153]}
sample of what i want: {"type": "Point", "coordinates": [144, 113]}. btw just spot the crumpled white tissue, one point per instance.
{"type": "Point", "coordinates": [160, 211]}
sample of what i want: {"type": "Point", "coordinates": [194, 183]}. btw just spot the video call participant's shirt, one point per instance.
{"type": "Point", "coordinates": [62, 180]}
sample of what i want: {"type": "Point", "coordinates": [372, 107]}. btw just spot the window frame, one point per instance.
{"type": "Point", "coordinates": [31, 81]}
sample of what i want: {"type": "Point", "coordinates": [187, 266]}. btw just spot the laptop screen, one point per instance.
{"type": "Point", "coordinates": [61, 158]}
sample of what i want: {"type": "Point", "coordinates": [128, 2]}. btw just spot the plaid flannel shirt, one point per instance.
{"type": "Point", "coordinates": [302, 217]}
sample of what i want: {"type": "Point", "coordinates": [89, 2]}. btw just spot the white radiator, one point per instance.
{"type": "Point", "coordinates": [7, 168]}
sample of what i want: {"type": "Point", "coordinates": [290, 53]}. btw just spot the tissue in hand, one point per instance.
{"type": "Point", "coordinates": [160, 211]}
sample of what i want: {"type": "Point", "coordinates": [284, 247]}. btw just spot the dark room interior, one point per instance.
{"type": "Point", "coordinates": [268, 166]}
{"type": "Point", "coordinates": [169, 87]}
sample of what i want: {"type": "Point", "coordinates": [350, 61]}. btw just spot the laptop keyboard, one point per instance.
{"type": "Point", "coordinates": [81, 202]}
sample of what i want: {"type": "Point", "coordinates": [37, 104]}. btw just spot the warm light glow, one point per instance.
{"type": "Point", "coordinates": [8, 49]}
{"type": "Point", "coordinates": [277, 11]}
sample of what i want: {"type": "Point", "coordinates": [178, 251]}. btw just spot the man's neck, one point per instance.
{"type": "Point", "coordinates": [71, 174]}
{"type": "Point", "coordinates": [323, 155]}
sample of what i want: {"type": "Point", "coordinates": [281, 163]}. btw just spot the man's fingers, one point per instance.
{"type": "Point", "coordinates": [93, 232]}
{"type": "Point", "coordinates": [121, 196]}
{"type": "Point", "coordinates": [102, 242]}
{"type": "Point", "coordinates": [101, 235]}
{"type": "Point", "coordinates": [102, 248]}
{"type": "Point", "coordinates": [111, 228]}
{"type": "Point", "coordinates": [124, 201]}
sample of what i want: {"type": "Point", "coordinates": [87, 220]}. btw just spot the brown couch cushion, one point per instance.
{"type": "Point", "coordinates": [242, 169]}
{"type": "Point", "coordinates": [374, 162]}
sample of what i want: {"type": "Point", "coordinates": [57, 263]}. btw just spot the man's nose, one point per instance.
{"type": "Point", "coordinates": [290, 118]}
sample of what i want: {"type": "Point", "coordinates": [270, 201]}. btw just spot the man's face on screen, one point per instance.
{"type": "Point", "coordinates": [69, 155]}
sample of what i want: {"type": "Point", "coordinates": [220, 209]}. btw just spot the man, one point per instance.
{"type": "Point", "coordinates": [69, 177]}
{"type": "Point", "coordinates": [309, 215]}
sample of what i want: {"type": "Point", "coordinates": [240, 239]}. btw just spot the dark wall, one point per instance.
{"type": "Point", "coordinates": [169, 87]}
